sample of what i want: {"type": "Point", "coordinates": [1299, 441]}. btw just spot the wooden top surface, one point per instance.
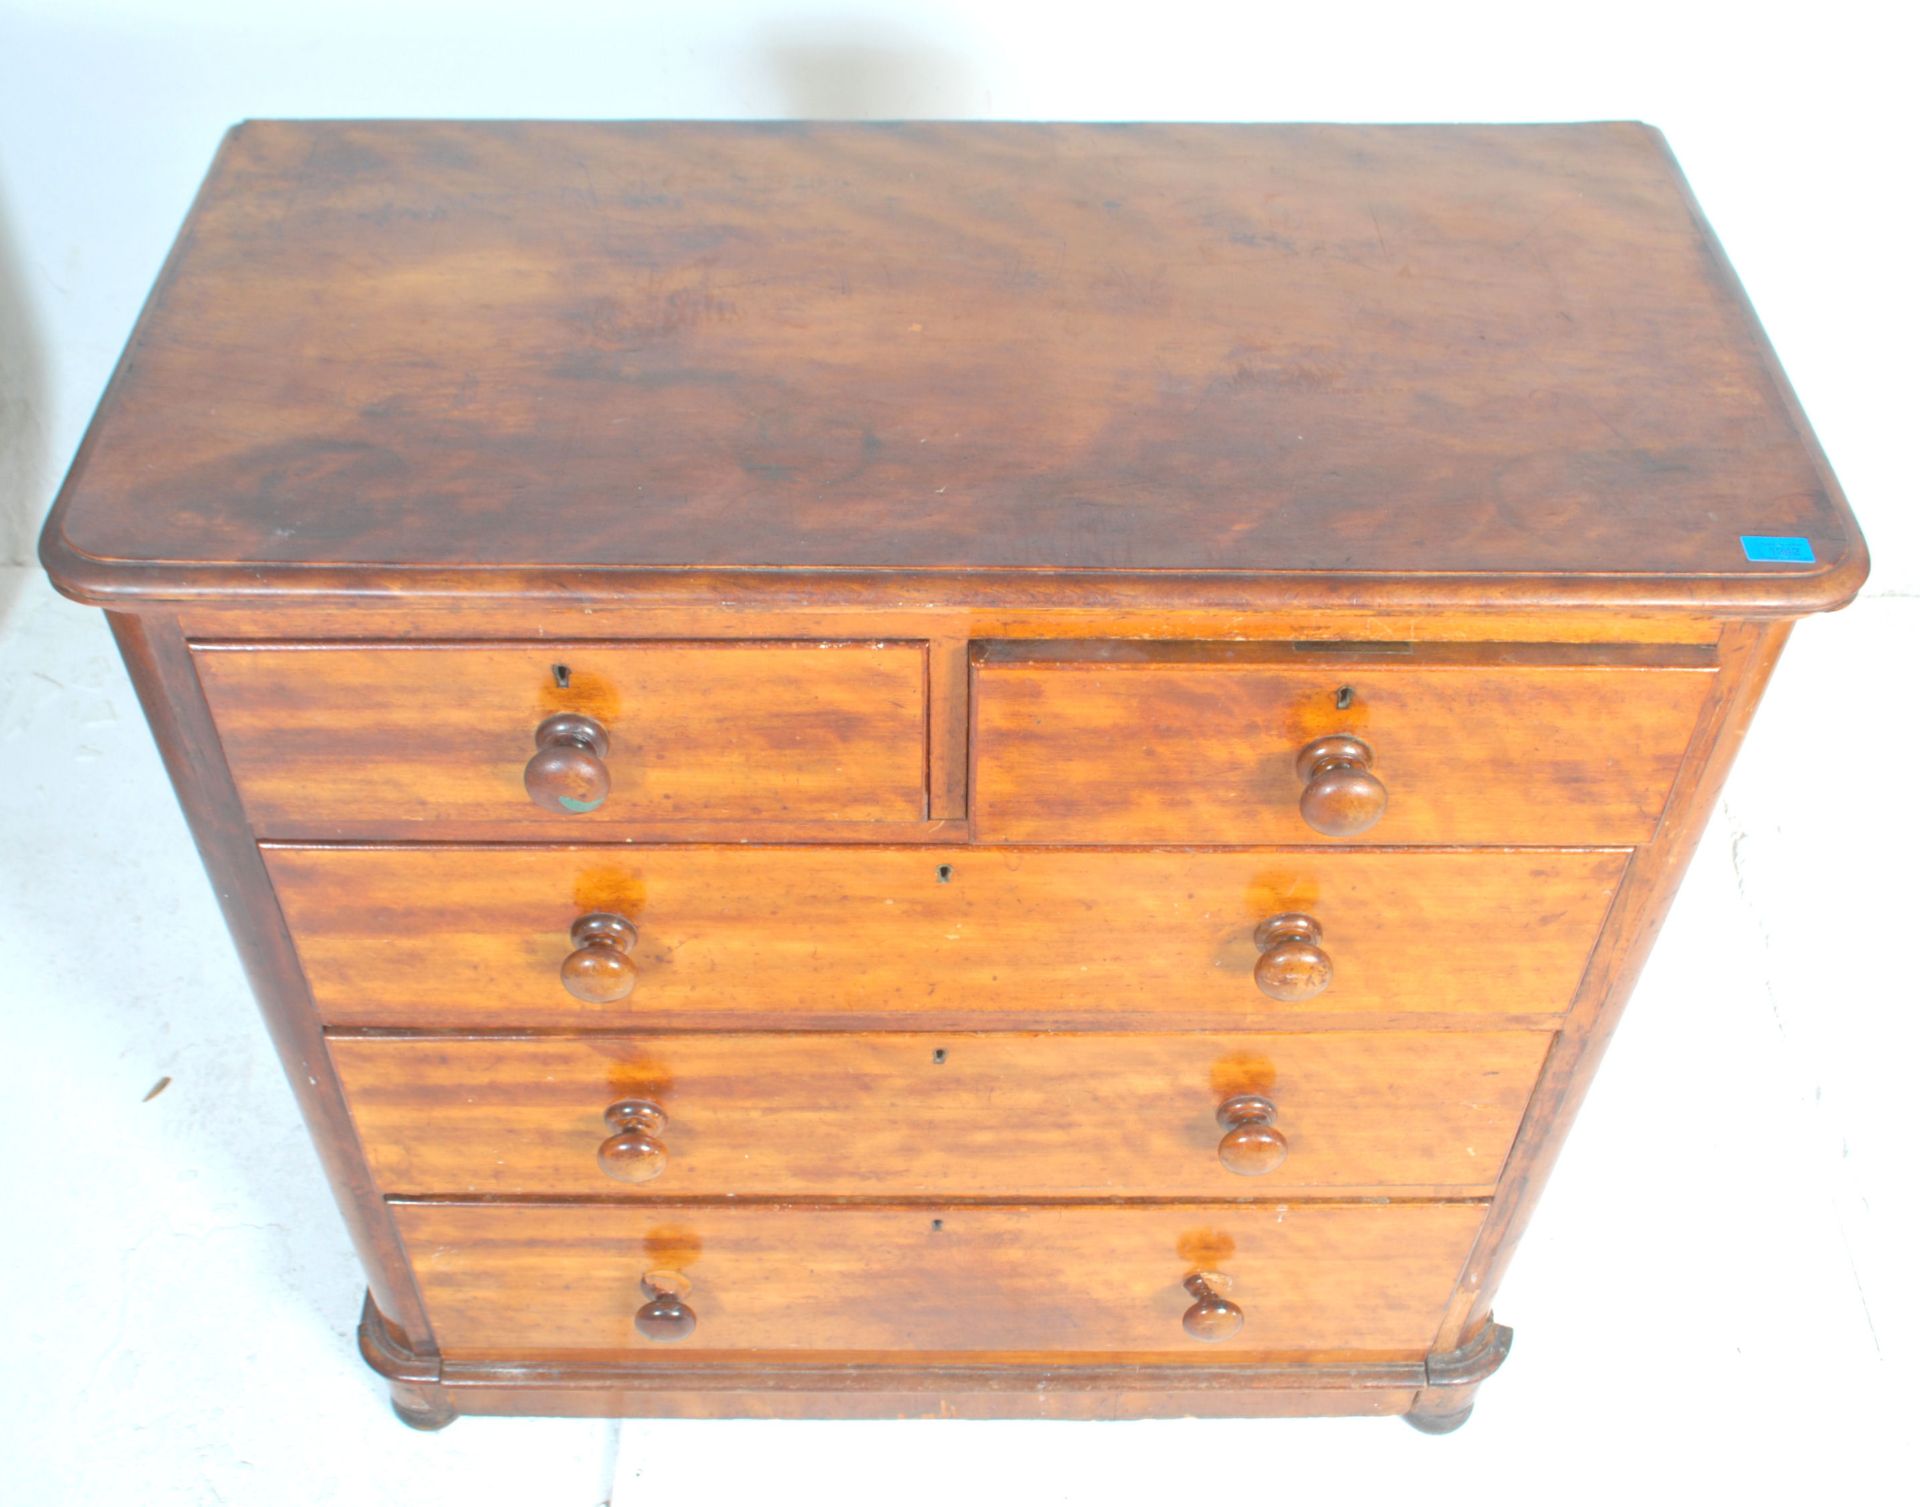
{"type": "Point", "coordinates": [1444, 364]}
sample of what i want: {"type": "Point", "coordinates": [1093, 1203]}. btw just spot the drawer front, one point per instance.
{"type": "Point", "coordinates": [432, 741]}
{"type": "Point", "coordinates": [891, 936]}
{"type": "Point", "coordinates": [1193, 748]}
{"type": "Point", "coordinates": [1352, 1280]}
{"type": "Point", "coordinates": [1008, 1116]}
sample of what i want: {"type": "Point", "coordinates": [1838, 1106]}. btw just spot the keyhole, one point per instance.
{"type": "Point", "coordinates": [939, 1055]}
{"type": "Point", "coordinates": [561, 676]}
{"type": "Point", "coordinates": [1343, 698]}
{"type": "Point", "coordinates": [944, 873]}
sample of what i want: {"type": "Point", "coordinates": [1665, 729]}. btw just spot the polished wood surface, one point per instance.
{"type": "Point", "coordinates": [958, 612]}
{"type": "Point", "coordinates": [434, 740]}
{"type": "Point", "coordinates": [1340, 795]}
{"type": "Point", "coordinates": [945, 770]}
{"type": "Point", "coordinates": [651, 1383]}
{"type": "Point", "coordinates": [1351, 1280]}
{"type": "Point", "coordinates": [1170, 745]}
{"type": "Point", "coordinates": [940, 1115]}
{"type": "Point", "coordinates": [1749, 653]}
{"type": "Point", "coordinates": [1292, 965]}
{"type": "Point", "coordinates": [600, 969]}
{"type": "Point", "coordinates": [1412, 355]}
{"type": "Point", "coordinates": [161, 666]}
{"type": "Point", "coordinates": [1454, 1377]}
{"type": "Point", "coordinates": [634, 1153]}
{"type": "Point", "coordinates": [1213, 1316]}
{"type": "Point", "coordinates": [889, 936]}
{"type": "Point", "coordinates": [1253, 1144]}
{"type": "Point", "coordinates": [666, 1317]}
{"type": "Point", "coordinates": [568, 770]}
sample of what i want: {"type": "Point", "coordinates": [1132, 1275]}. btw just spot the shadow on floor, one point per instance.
{"type": "Point", "coordinates": [853, 69]}
{"type": "Point", "coordinates": [23, 416]}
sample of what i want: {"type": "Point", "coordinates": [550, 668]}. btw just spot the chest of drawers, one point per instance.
{"type": "Point", "coordinates": [976, 770]}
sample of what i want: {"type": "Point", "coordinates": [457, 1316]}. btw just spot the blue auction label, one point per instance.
{"type": "Point", "coordinates": [1770, 547]}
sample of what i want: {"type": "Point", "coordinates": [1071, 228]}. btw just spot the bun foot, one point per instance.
{"type": "Point", "coordinates": [1454, 1377]}
{"type": "Point", "coordinates": [1439, 1423]}
{"type": "Point", "coordinates": [429, 1419]}
{"type": "Point", "coordinates": [419, 1401]}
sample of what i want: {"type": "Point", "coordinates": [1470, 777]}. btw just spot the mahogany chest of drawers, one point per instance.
{"type": "Point", "coordinates": [945, 769]}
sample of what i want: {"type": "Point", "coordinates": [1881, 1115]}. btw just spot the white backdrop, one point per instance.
{"type": "Point", "coordinates": [1717, 1288]}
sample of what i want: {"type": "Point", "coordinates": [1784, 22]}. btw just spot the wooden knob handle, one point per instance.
{"type": "Point", "coordinates": [665, 1315]}
{"type": "Point", "coordinates": [1211, 1317]}
{"type": "Point", "coordinates": [1343, 796]}
{"type": "Point", "coordinates": [568, 771]}
{"type": "Point", "coordinates": [1251, 1145]}
{"type": "Point", "coordinates": [1292, 966]}
{"type": "Point", "coordinates": [598, 969]}
{"type": "Point", "coordinates": [634, 1153]}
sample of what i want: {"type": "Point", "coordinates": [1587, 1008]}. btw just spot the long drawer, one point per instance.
{"type": "Point", "coordinates": [1005, 1116]}
{"type": "Point", "coordinates": [433, 740]}
{"type": "Point", "coordinates": [890, 937]}
{"type": "Point", "coordinates": [1142, 743]}
{"type": "Point", "coordinates": [1360, 1281]}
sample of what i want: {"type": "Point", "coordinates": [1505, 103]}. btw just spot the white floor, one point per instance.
{"type": "Point", "coordinates": [1717, 1296]}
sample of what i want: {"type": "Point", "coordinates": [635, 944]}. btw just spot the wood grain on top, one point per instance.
{"type": "Point", "coordinates": [1437, 355]}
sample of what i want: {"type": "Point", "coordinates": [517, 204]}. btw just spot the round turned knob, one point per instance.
{"type": "Point", "coordinates": [634, 1153]}
{"type": "Point", "coordinates": [568, 772]}
{"type": "Point", "coordinates": [1251, 1145]}
{"type": "Point", "coordinates": [1343, 796]}
{"type": "Point", "coordinates": [1211, 1317]}
{"type": "Point", "coordinates": [1292, 966]}
{"type": "Point", "coordinates": [598, 969]}
{"type": "Point", "coordinates": [665, 1316]}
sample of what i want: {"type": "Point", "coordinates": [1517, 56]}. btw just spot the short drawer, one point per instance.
{"type": "Point", "coordinates": [507, 1281]}
{"type": "Point", "coordinates": [910, 1114]}
{"type": "Point", "coordinates": [429, 740]}
{"type": "Point", "coordinates": [1141, 743]}
{"type": "Point", "coordinates": [893, 936]}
